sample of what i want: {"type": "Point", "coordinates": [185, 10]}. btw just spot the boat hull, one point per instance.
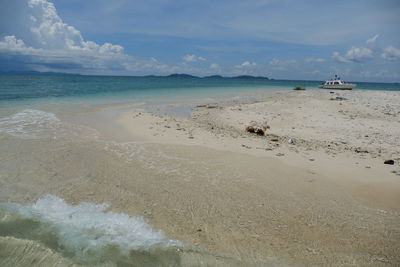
{"type": "Point", "coordinates": [348, 86]}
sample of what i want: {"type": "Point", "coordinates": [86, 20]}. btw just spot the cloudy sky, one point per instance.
{"type": "Point", "coordinates": [282, 39]}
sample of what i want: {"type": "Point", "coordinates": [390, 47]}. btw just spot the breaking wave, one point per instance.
{"type": "Point", "coordinates": [87, 232]}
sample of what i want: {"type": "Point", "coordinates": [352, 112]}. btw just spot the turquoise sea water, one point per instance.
{"type": "Point", "coordinates": [14, 87]}
{"type": "Point", "coordinates": [53, 93]}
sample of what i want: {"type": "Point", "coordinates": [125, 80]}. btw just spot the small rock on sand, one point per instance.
{"type": "Point", "coordinates": [389, 161]}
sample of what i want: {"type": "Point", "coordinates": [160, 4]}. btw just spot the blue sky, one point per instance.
{"type": "Point", "coordinates": [286, 39]}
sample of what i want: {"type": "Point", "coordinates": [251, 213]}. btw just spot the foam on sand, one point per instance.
{"type": "Point", "coordinates": [86, 232]}
{"type": "Point", "coordinates": [30, 124]}
{"type": "Point", "coordinates": [37, 124]}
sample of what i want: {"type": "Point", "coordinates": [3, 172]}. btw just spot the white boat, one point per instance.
{"type": "Point", "coordinates": [337, 83]}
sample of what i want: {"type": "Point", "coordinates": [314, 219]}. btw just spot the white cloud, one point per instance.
{"type": "Point", "coordinates": [45, 29]}
{"type": "Point", "coordinates": [359, 54]}
{"type": "Point", "coordinates": [355, 54]}
{"type": "Point", "coordinates": [278, 65]}
{"type": "Point", "coordinates": [11, 43]}
{"type": "Point", "coordinates": [190, 58]}
{"type": "Point", "coordinates": [372, 40]}
{"type": "Point", "coordinates": [314, 60]}
{"type": "Point", "coordinates": [214, 66]}
{"type": "Point", "coordinates": [380, 74]}
{"type": "Point", "coordinates": [247, 64]}
{"type": "Point", "coordinates": [46, 42]}
{"type": "Point", "coordinates": [391, 53]}
{"type": "Point", "coordinates": [336, 56]}
{"type": "Point", "coordinates": [278, 62]}
{"type": "Point", "coordinates": [193, 58]}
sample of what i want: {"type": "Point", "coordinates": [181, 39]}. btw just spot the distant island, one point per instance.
{"type": "Point", "coordinates": [175, 75]}
{"type": "Point", "coordinates": [32, 72]}
{"type": "Point", "coordinates": [240, 77]}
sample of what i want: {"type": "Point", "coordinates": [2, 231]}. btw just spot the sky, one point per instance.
{"type": "Point", "coordinates": [281, 39]}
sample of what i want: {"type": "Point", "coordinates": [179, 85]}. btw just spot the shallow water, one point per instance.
{"type": "Point", "coordinates": [43, 154]}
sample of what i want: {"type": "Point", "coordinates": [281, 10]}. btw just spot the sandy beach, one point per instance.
{"type": "Point", "coordinates": [343, 135]}
{"type": "Point", "coordinates": [312, 191]}
{"type": "Point", "coordinates": [321, 198]}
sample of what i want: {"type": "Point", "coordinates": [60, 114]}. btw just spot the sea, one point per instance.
{"type": "Point", "coordinates": [45, 151]}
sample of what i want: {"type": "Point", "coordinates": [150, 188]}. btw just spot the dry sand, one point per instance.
{"type": "Point", "coordinates": [326, 198]}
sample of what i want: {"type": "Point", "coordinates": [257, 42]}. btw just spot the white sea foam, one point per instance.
{"type": "Point", "coordinates": [38, 124]}
{"type": "Point", "coordinates": [30, 124]}
{"type": "Point", "coordinates": [87, 230]}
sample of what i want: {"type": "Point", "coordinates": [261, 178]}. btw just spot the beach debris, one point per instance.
{"type": "Point", "coordinates": [208, 106]}
{"type": "Point", "coordinates": [256, 128]}
{"type": "Point", "coordinates": [358, 150]}
{"type": "Point", "coordinates": [389, 161]}
{"type": "Point", "coordinates": [212, 106]}
{"type": "Point", "coordinates": [280, 154]}
{"type": "Point", "coordinates": [290, 141]}
{"type": "Point", "coordinates": [338, 98]}
{"type": "Point", "coordinates": [299, 88]}
{"type": "Point", "coordinates": [274, 139]}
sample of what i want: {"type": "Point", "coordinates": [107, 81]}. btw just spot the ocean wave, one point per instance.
{"type": "Point", "coordinates": [86, 232]}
